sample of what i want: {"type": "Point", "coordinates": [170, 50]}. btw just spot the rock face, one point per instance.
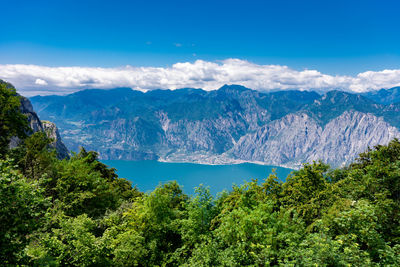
{"type": "Point", "coordinates": [33, 119]}
{"type": "Point", "coordinates": [41, 126]}
{"type": "Point", "coordinates": [231, 124]}
{"type": "Point", "coordinates": [345, 136]}
{"type": "Point", "coordinates": [298, 138]}
{"type": "Point", "coordinates": [283, 141]}
{"type": "Point", "coordinates": [52, 132]}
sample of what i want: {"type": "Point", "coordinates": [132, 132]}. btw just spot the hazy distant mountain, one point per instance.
{"type": "Point", "coordinates": [385, 96]}
{"type": "Point", "coordinates": [233, 123]}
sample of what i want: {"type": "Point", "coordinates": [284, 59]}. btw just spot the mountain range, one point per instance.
{"type": "Point", "coordinates": [228, 125]}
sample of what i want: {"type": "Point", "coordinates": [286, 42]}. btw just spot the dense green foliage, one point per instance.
{"type": "Point", "coordinates": [78, 212]}
{"type": "Point", "coordinates": [12, 121]}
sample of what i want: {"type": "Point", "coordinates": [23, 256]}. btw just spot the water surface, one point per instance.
{"type": "Point", "coordinates": [146, 175]}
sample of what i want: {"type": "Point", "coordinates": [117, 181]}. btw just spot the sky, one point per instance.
{"type": "Point", "coordinates": [61, 46]}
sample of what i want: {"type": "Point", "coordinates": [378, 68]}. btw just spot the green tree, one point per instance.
{"type": "Point", "coordinates": [12, 121]}
{"type": "Point", "coordinates": [73, 242]}
{"type": "Point", "coordinates": [23, 209]}
{"type": "Point", "coordinates": [249, 231]}
{"type": "Point", "coordinates": [152, 228]}
{"type": "Point", "coordinates": [85, 185]}
{"type": "Point", "coordinates": [37, 157]}
{"type": "Point", "coordinates": [196, 226]}
{"type": "Point", "coordinates": [304, 189]}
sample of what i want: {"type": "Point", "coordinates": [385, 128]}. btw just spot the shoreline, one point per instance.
{"type": "Point", "coordinates": [214, 163]}
{"type": "Point", "coordinates": [234, 162]}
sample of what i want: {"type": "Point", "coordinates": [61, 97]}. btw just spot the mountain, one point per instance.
{"type": "Point", "coordinates": [48, 127]}
{"type": "Point", "coordinates": [231, 124]}
{"type": "Point", "coordinates": [298, 138]}
{"type": "Point", "coordinates": [37, 125]}
{"type": "Point", "coordinates": [334, 103]}
{"type": "Point", "coordinates": [385, 96]}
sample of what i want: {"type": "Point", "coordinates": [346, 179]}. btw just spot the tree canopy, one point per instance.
{"type": "Point", "coordinates": [12, 121]}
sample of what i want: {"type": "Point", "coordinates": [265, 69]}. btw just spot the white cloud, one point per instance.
{"type": "Point", "coordinates": [40, 82]}
{"type": "Point", "coordinates": [33, 79]}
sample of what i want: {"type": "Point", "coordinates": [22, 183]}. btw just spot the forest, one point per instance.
{"type": "Point", "coordinates": [78, 212]}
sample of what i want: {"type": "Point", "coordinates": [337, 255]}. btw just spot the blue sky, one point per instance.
{"type": "Point", "coordinates": [334, 37]}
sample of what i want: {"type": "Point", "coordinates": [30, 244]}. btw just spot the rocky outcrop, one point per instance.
{"type": "Point", "coordinates": [344, 137]}
{"type": "Point", "coordinates": [212, 135]}
{"type": "Point", "coordinates": [284, 141]}
{"type": "Point", "coordinates": [52, 132]}
{"type": "Point", "coordinates": [33, 119]}
{"type": "Point", "coordinates": [298, 138]}
{"type": "Point", "coordinates": [41, 126]}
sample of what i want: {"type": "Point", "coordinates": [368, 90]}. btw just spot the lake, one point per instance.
{"type": "Point", "coordinates": [146, 175]}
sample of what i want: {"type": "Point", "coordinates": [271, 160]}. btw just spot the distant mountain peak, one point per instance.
{"type": "Point", "coordinates": [234, 87]}
{"type": "Point", "coordinates": [109, 90]}
{"type": "Point", "coordinates": [385, 96]}
{"type": "Point", "coordinates": [337, 96]}
{"type": "Point", "coordinates": [336, 93]}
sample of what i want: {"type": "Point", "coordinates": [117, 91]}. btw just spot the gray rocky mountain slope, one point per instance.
{"type": "Point", "coordinates": [43, 126]}
{"type": "Point", "coordinates": [40, 126]}
{"type": "Point", "coordinates": [232, 124]}
{"type": "Point", "coordinates": [298, 138]}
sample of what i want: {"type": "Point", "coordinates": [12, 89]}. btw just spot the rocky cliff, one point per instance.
{"type": "Point", "coordinates": [299, 138]}
{"type": "Point", "coordinates": [40, 126]}
{"type": "Point", "coordinates": [52, 132]}
{"type": "Point", "coordinates": [232, 124]}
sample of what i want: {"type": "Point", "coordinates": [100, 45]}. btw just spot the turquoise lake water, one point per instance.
{"type": "Point", "coordinates": [146, 175]}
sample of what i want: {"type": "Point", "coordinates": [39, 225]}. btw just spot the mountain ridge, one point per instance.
{"type": "Point", "coordinates": [385, 96]}
{"type": "Point", "coordinates": [220, 125]}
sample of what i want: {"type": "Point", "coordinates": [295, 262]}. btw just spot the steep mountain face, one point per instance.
{"type": "Point", "coordinates": [39, 126]}
{"type": "Point", "coordinates": [344, 137]}
{"type": "Point", "coordinates": [283, 141]}
{"type": "Point", "coordinates": [33, 119]}
{"type": "Point", "coordinates": [52, 132]}
{"type": "Point", "coordinates": [42, 126]}
{"type": "Point", "coordinates": [299, 138]}
{"type": "Point", "coordinates": [231, 124]}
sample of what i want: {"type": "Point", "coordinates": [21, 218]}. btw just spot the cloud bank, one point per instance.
{"type": "Point", "coordinates": [32, 79]}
